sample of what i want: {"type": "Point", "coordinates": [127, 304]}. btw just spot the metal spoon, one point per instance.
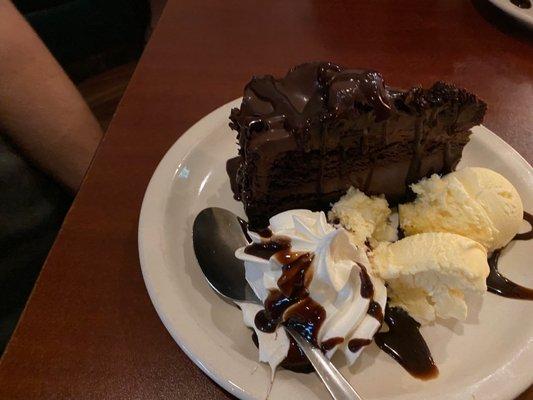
{"type": "Point", "coordinates": [217, 233]}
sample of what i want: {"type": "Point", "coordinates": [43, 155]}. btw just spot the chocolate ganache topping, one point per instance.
{"type": "Point", "coordinates": [308, 96]}
{"type": "Point", "coordinates": [307, 137]}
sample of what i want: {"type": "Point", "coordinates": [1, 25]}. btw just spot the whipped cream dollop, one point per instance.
{"type": "Point", "coordinates": [308, 264]}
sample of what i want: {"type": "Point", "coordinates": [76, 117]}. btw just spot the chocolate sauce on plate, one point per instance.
{"type": "Point", "coordinates": [405, 344]}
{"type": "Point", "coordinates": [499, 284]}
{"type": "Point", "coordinates": [529, 234]}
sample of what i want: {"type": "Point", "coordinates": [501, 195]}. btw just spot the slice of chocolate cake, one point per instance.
{"type": "Point", "coordinates": [306, 138]}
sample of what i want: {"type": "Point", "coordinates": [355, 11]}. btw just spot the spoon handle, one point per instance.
{"type": "Point", "coordinates": [337, 385]}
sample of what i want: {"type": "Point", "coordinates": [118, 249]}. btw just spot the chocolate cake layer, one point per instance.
{"type": "Point", "coordinates": [305, 138]}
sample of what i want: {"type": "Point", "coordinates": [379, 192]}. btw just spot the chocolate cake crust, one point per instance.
{"type": "Point", "coordinates": [305, 138]}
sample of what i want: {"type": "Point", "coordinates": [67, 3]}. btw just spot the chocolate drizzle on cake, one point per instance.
{"type": "Point", "coordinates": [499, 284]}
{"type": "Point", "coordinates": [305, 138]}
{"type": "Point", "coordinates": [405, 344]}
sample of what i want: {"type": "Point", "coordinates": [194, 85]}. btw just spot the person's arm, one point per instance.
{"type": "Point", "coordinates": [41, 110]}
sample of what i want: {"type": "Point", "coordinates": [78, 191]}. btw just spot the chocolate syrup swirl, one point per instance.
{"type": "Point", "coordinates": [291, 304]}
{"type": "Point", "coordinates": [499, 284]}
{"type": "Point", "coordinates": [302, 313]}
{"type": "Point", "coordinates": [405, 344]}
{"type": "Point", "coordinates": [295, 278]}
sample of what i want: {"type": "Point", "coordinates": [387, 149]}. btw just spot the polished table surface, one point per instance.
{"type": "Point", "coordinates": [90, 330]}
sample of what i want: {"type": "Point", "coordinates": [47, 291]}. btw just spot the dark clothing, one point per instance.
{"type": "Point", "coordinates": [89, 36]}
{"type": "Point", "coordinates": [86, 37]}
{"type": "Point", "coordinates": [32, 208]}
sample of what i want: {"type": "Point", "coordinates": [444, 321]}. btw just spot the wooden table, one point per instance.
{"type": "Point", "coordinates": [89, 330]}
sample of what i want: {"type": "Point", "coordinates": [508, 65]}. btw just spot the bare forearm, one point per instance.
{"type": "Point", "coordinates": [40, 109]}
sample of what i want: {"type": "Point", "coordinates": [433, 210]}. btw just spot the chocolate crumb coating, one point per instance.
{"type": "Point", "coordinates": [306, 138]}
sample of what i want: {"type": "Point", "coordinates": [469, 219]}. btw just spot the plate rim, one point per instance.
{"type": "Point", "coordinates": [154, 200]}
{"type": "Point", "coordinates": [516, 12]}
{"type": "Point", "coordinates": [187, 140]}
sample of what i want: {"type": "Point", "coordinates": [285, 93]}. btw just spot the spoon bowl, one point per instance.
{"type": "Point", "coordinates": [217, 233]}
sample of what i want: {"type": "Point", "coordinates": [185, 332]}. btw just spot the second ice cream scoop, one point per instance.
{"type": "Point", "coordinates": [474, 202]}
{"type": "Point", "coordinates": [428, 273]}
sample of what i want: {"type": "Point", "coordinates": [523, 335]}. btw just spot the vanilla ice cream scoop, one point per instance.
{"type": "Point", "coordinates": [474, 202]}
{"type": "Point", "coordinates": [318, 265]}
{"type": "Point", "coordinates": [427, 274]}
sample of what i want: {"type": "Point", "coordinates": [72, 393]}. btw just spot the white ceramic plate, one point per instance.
{"type": "Point", "coordinates": [523, 14]}
{"type": "Point", "coordinates": [490, 356]}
